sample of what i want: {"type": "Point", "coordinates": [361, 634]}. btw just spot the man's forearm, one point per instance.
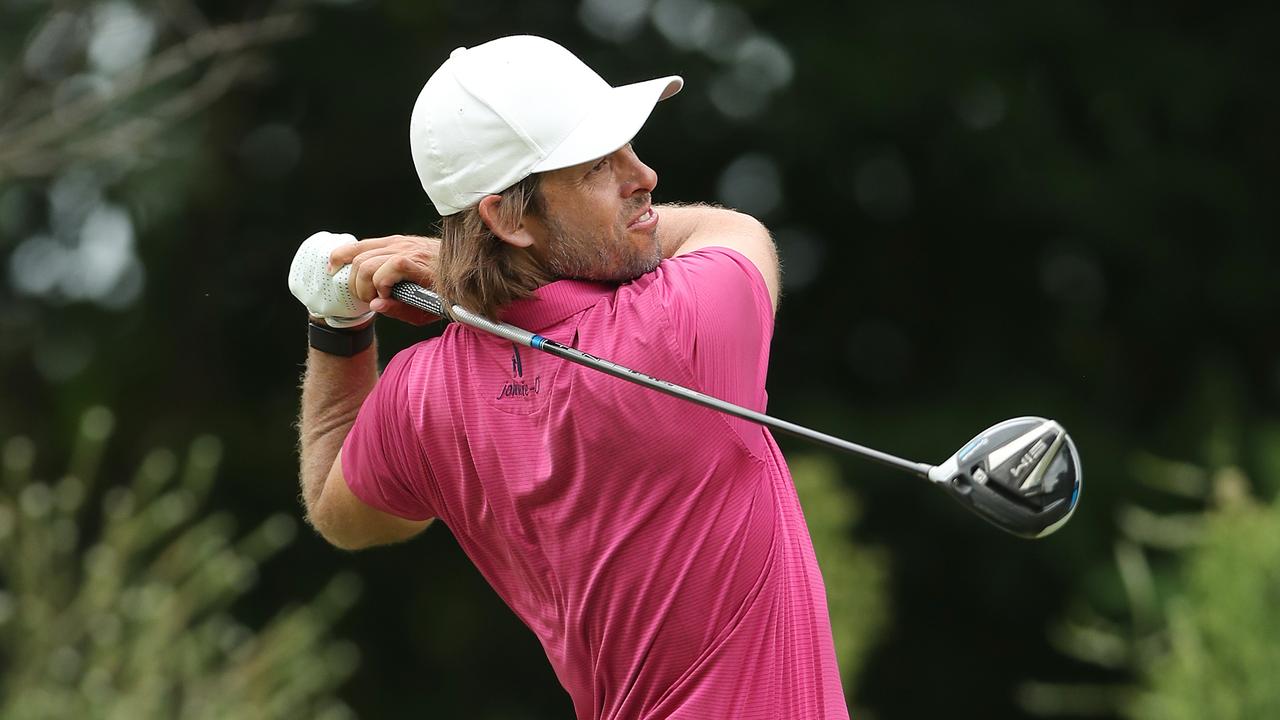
{"type": "Point", "coordinates": [680, 224]}
{"type": "Point", "coordinates": [333, 388]}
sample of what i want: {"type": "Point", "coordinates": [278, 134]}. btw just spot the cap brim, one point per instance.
{"type": "Point", "coordinates": [611, 124]}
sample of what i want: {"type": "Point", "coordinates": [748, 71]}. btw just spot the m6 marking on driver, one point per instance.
{"type": "Point", "coordinates": [1030, 457]}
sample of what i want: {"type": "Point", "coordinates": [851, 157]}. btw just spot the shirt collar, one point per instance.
{"type": "Point", "coordinates": [554, 302]}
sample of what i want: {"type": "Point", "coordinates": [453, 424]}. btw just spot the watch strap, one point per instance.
{"type": "Point", "coordinates": [343, 342]}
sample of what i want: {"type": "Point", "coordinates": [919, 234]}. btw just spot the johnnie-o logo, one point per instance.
{"type": "Point", "coordinates": [517, 387]}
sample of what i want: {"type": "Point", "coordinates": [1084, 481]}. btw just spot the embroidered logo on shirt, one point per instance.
{"type": "Point", "coordinates": [517, 387]}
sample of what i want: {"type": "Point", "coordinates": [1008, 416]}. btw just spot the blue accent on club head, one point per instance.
{"type": "Point", "coordinates": [964, 451]}
{"type": "Point", "coordinates": [1075, 493]}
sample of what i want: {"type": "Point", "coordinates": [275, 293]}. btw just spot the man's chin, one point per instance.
{"type": "Point", "coordinates": [621, 275]}
{"type": "Point", "coordinates": [616, 270]}
{"type": "Point", "coordinates": [644, 267]}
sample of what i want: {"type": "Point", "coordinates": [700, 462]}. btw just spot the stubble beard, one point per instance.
{"type": "Point", "coordinates": [597, 256]}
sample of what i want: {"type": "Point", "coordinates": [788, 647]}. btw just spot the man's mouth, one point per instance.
{"type": "Point", "coordinates": [647, 219]}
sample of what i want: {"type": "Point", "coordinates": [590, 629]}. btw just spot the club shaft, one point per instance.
{"type": "Point", "coordinates": [424, 299]}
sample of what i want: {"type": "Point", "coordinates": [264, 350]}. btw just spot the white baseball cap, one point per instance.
{"type": "Point", "coordinates": [496, 113]}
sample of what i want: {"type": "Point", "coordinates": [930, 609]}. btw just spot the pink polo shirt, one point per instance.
{"type": "Point", "coordinates": [656, 548]}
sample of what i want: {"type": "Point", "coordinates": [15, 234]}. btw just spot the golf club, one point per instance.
{"type": "Point", "coordinates": [1022, 475]}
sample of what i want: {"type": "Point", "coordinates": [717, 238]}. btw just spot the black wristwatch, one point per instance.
{"type": "Point", "coordinates": [343, 342]}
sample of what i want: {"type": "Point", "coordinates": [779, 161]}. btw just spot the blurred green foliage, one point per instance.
{"type": "Point", "coordinates": [856, 576]}
{"type": "Point", "coordinates": [1223, 626]}
{"type": "Point", "coordinates": [129, 615]}
{"type": "Point", "coordinates": [1199, 633]}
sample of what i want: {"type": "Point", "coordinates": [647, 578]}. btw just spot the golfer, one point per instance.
{"type": "Point", "coordinates": [656, 548]}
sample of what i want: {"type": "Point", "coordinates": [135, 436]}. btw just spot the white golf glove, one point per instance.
{"type": "Point", "coordinates": [325, 295]}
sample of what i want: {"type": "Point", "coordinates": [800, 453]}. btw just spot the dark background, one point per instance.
{"type": "Point", "coordinates": [984, 210]}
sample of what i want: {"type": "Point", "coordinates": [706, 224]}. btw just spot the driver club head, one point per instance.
{"type": "Point", "coordinates": [1022, 475]}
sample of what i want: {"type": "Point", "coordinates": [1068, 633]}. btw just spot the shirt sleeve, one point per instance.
{"type": "Point", "coordinates": [722, 322]}
{"type": "Point", "coordinates": [382, 457]}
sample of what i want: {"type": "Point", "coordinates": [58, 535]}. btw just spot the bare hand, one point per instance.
{"type": "Point", "coordinates": [377, 264]}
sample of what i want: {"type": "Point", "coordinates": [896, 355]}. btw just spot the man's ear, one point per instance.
{"type": "Point", "coordinates": [490, 209]}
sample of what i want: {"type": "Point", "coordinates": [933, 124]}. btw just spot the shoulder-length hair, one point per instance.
{"type": "Point", "coordinates": [478, 270]}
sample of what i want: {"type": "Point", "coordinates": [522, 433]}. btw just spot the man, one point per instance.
{"type": "Point", "coordinates": [656, 548]}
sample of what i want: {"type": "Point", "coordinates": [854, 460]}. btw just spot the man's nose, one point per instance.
{"type": "Point", "coordinates": [642, 178]}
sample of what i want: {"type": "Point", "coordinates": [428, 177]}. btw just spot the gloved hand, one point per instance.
{"type": "Point", "coordinates": [327, 296]}
{"type": "Point", "coordinates": [378, 264]}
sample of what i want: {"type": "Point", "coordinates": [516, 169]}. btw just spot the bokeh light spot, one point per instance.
{"type": "Point", "coordinates": [615, 20]}
{"type": "Point", "coordinates": [122, 36]}
{"type": "Point", "coordinates": [1073, 280]}
{"type": "Point", "coordinates": [752, 184]}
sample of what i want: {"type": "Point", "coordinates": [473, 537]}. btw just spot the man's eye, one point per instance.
{"type": "Point", "coordinates": [598, 166]}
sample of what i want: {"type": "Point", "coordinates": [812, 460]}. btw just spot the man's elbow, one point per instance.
{"type": "Point", "coordinates": [337, 533]}
{"type": "Point", "coordinates": [747, 231]}
{"type": "Point", "coordinates": [753, 239]}
{"type": "Point", "coordinates": [349, 544]}
{"type": "Point", "coordinates": [356, 532]}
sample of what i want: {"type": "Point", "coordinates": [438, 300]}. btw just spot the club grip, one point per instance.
{"type": "Point", "coordinates": [419, 297]}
